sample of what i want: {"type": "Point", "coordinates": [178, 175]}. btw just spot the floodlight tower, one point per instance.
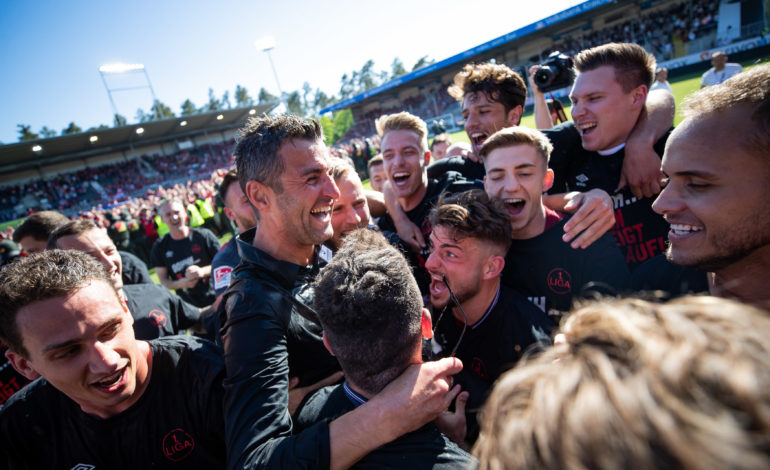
{"type": "Point", "coordinates": [267, 44]}
{"type": "Point", "coordinates": [117, 69]}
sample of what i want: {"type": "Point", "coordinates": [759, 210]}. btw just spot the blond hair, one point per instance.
{"type": "Point", "coordinates": [403, 121]}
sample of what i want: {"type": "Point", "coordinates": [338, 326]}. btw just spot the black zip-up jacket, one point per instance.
{"type": "Point", "coordinates": [267, 337]}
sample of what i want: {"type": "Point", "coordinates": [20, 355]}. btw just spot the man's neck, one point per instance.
{"type": "Point", "coordinates": [274, 242]}
{"type": "Point", "coordinates": [183, 232]}
{"type": "Point", "coordinates": [745, 280]}
{"type": "Point", "coordinates": [476, 307]}
{"type": "Point", "coordinates": [410, 202]}
{"type": "Point", "coordinates": [534, 228]}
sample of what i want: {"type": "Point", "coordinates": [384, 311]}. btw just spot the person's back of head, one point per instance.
{"type": "Point", "coordinates": [370, 308]}
{"type": "Point", "coordinates": [633, 384]}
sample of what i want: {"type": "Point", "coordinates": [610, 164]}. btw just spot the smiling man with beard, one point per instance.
{"type": "Point", "coordinates": [494, 325]}
{"type": "Point", "coordinates": [351, 211]}
{"type": "Point", "coordinates": [539, 263]}
{"type": "Point", "coordinates": [271, 331]}
{"type": "Point", "coordinates": [102, 399]}
{"type": "Point", "coordinates": [716, 197]}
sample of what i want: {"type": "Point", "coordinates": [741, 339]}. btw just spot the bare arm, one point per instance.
{"type": "Point", "coordinates": [408, 232]}
{"type": "Point", "coordinates": [542, 115]}
{"type": "Point", "coordinates": [376, 202]}
{"type": "Point", "coordinates": [170, 284]}
{"type": "Point", "coordinates": [593, 215]}
{"type": "Point", "coordinates": [641, 165]}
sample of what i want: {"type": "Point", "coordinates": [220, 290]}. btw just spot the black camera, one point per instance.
{"type": "Point", "coordinates": [556, 72]}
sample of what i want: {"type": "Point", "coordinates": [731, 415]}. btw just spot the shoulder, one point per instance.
{"type": "Point", "coordinates": [325, 403]}
{"type": "Point", "coordinates": [38, 397]}
{"type": "Point", "coordinates": [182, 351]}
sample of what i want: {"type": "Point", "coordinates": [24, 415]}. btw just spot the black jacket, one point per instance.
{"type": "Point", "coordinates": [266, 339]}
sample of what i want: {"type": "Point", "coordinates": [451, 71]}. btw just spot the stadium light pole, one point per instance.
{"type": "Point", "coordinates": [118, 69]}
{"type": "Point", "coordinates": [267, 44]}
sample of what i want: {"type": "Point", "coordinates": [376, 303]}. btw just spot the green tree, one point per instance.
{"type": "Point", "coordinates": [367, 77]}
{"type": "Point", "coordinates": [397, 68]}
{"type": "Point", "coordinates": [225, 101]}
{"type": "Point", "coordinates": [119, 120]}
{"type": "Point", "coordinates": [214, 104]}
{"type": "Point", "coordinates": [98, 128]}
{"type": "Point", "coordinates": [46, 132]}
{"type": "Point", "coordinates": [265, 97]}
{"type": "Point", "coordinates": [71, 129]}
{"type": "Point", "coordinates": [160, 111]}
{"type": "Point", "coordinates": [321, 101]}
{"type": "Point", "coordinates": [423, 61]}
{"type": "Point", "coordinates": [188, 108]}
{"type": "Point", "coordinates": [341, 124]}
{"type": "Point", "coordinates": [328, 127]}
{"type": "Point", "coordinates": [242, 98]}
{"type": "Point", "coordinates": [141, 116]}
{"type": "Point", "coordinates": [25, 132]}
{"type": "Point", "coordinates": [293, 102]}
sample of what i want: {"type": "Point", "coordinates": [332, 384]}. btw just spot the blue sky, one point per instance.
{"type": "Point", "coordinates": [50, 51]}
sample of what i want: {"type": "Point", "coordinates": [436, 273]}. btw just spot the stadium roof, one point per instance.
{"type": "Point", "coordinates": [37, 153]}
{"type": "Point", "coordinates": [464, 56]}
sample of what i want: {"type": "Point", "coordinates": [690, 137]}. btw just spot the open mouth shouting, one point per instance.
{"type": "Point", "coordinates": [515, 206]}
{"type": "Point", "coordinates": [401, 179]}
{"type": "Point", "coordinates": [477, 139]}
{"type": "Point", "coordinates": [112, 383]}
{"type": "Point", "coordinates": [323, 213]}
{"type": "Point", "coordinates": [586, 127]}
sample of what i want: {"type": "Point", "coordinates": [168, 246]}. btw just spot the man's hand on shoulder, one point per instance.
{"type": "Point", "coordinates": [452, 423]}
{"type": "Point", "coordinates": [593, 216]}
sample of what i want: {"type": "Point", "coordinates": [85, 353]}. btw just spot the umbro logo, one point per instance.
{"type": "Point", "coordinates": [83, 466]}
{"type": "Point", "coordinates": [581, 180]}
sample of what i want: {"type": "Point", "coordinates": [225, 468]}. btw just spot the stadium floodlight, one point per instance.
{"type": "Point", "coordinates": [140, 130]}
{"type": "Point", "coordinates": [93, 138]}
{"type": "Point", "coordinates": [183, 123]}
{"type": "Point", "coordinates": [120, 68]}
{"type": "Point", "coordinates": [220, 117]}
{"type": "Point", "coordinates": [37, 148]}
{"type": "Point", "coordinates": [267, 44]}
{"type": "Point", "coordinates": [252, 111]}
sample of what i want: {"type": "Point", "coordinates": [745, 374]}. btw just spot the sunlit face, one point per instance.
{"type": "Point", "coordinates": [100, 246]}
{"type": "Point", "coordinates": [716, 197]}
{"type": "Point", "coordinates": [603, 113]}
{"type": "Point", "coordinates": [238, 209]}
{"type": "Point", "coordinates": [84, 346]}
{"type": "Point", "coordinates": [483, 117]}
{"type": "Point", "coordinates": [518, 175]}
{"type": "Point", "coordinates": [173, 214]}
{"type": "Point", "coordinates": [308, 194]}
{"type": "Point", "coordinates": [438, 150]}
{"type": "Point", "coordinates": [377, 176]}
{"type": "Point", "coordinates": [405, 162]}
{"type": "Point", "coordinates": [461, 261]}
{"type": "Point", "coordinates": [351, 210]}
{"type": "Point", "coordinates": [30, 245]}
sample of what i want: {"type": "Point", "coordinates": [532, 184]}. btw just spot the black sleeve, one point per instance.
{"type": "Point", "coordinates": [466, 167]}
{"type": "Point", "coordinates": [565, 140]}
{"type": "Point", "coordinates": [185, 315]}
{"type": "Point", "coordinates": [257, 422]}
{"type": "Point", "coordinates": [134, 269]}
{"type": "Point", "coordinates": [212, 243]}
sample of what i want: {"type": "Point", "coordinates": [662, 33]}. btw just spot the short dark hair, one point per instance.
{"type": "Point", "coordinates": [497, 81]}
{"type": "Point", "coordinates": [440, 138]}
{"type": "Point", "coordinates": [229, 178]}
{"type": "Point", "coordinates": [518, 135]}
{"type": "Point", "coordinates": [71, 228]}
{"type": "Point", "coordinates": [370, 309]}
{"type": "Point", "coordinates": [750, 88]}
{"type": "Point", "coordinates": [39, 225]}
{"type": "Point", "coordinates": [256, 153]}
{"type": "Point", "coordinates": [473, 214]}
{"type": "Point", "coordinates": [633, 65]}
{"type": "Point", "coordinates": [42, 276]}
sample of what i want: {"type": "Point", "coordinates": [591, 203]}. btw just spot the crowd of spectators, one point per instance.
{"type": "Point", "coordinates": [77, 191]}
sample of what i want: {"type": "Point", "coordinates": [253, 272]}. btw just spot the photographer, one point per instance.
{"type": "Point", "coordinates": [555, 73]}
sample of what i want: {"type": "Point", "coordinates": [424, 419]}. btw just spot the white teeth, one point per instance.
{"type": "Point", "coordinates": [512, 201]}
{"type": "Point", "coordinates": [586, 126]}
{"type": "Point", "coordinates": [683, 228]}
{"type": "Point", "coordinates": [111, 380]}
{"type": "Point", "coordinates": [321, 210]}
{"type": "Point", "coordinates": [401, 175]}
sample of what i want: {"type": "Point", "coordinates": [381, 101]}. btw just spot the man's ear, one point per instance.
{"type": "Point", "coordinates": [513, 117]}
{"type": "Point", "coordinates": [493, 267]}
{"type": "Point", "coordinates": [427, 157]}
{"type": "Point", "coordinates": [258, 193]}
{"type": "Point", "coordinates": [639, 95]}
{"type": "Point", "coordinates": [326, 344]}
{"type": "Point", "coordinates": [22, 365]}
{"type": "Point", "coordinates": [228, 213]}
{"type": "Point", "coordinates": [548, 180]}
{"type": "Point", "coordinates": [426, 324]}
